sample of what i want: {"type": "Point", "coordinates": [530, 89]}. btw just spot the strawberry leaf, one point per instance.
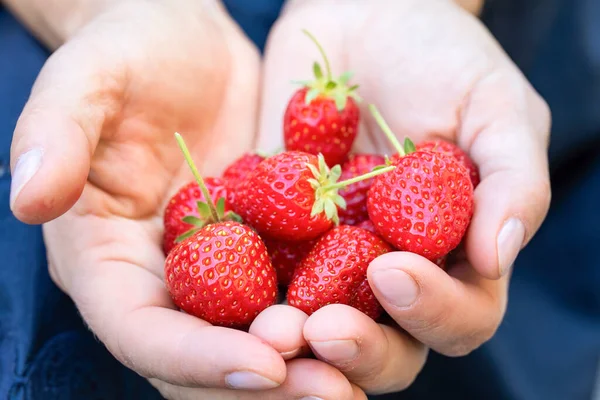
{"type": "Point", "coordinates": [335, 174]}
{"type": "Point", "coordinates": [340, 201]}
{"type": "Point", "coordinates": [193, 220]}
{"type": "Point", "coordinates": [314, 183]}
{"type": "Point", "coordinates": [317, 70]}
{"type": "Point", "coordinates": [203, 210]}
{"type": "Point", "coordinates": [323, 168]}
{"type": "Point", "coordinates": [314, 170]}
{"type": "Point", "coordinates": [330, 85]}
{"type": "Point", "coordinates": [317, 208]}
{"type": "Point", "coordinates": [340, 100]}
{"type": "Point", "coordinates": [330, 209]}
{"type": "Point", "coordinates": [231, 216]}
{"type": "Point", "coordinates": [221, 207]}
{"type": "Point", "coordinates": [409, 146]}
{"type": "Point", "coordinates": [186, 235]}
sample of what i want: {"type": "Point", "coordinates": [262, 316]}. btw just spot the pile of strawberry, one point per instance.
{"type": "Point", "coordinates": [312, 218]}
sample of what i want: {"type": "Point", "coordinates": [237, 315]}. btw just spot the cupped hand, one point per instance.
{"type": "Point", "coordinates": [433, 71]}
{"type": "Point", "coordinates": [94, 158]}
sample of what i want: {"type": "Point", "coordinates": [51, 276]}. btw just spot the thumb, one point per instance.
{"type": "Point", "coordinates": [58, 132]}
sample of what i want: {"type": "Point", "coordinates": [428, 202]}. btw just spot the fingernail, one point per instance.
{"type": "Point", "coordinates": [246, 380]}
{"type": "Point", "coordinates": [396, 286]}
{"type": "Point", "coordinates": [27, 165]}
{"type": "Point", "coordinates": [311, 398]}
{"type": "Point", "coordinates": [290, 354]}
{"type": "Point", "coordinates": [336, 351]}
{"type": "Point", "coordinates": [509, 242]}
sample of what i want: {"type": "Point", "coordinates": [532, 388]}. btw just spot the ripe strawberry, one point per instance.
{"type": "Point", "coordinates": [293, 196]}
{"type": "Point", "coordinates": [451, 149]}
{"type": "Point", "coordinates": [425, 204]}
{"type": "Point", "coordinates": [237, 171]}
{"type": "Point", "coordinates": [182, 212]}
{"type": "Point", "coordinates": [356, 194]}
{"type": "Point", "coordinates": [222, 274]}
{"type": "Point", "coordinates": [286, 256]}
{"type": "Point", "coordinates": [278, 200]}
{"type": "Point", "coordinates": [368, 226]}
{"type": "Point", "coordinates": [322, 116]}
{"type": "Point", "coordinates": [335, 271]}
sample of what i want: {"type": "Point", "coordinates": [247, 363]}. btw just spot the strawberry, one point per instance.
{"type": "Point", "coordinates": [356, 194]}
{"type": "Point", "coordinates": [451, 149]}
{"type": "Point", "coordinates": [368, 226]}
{"type": "Point", "coordinates": [293, 196]}
{"type": "Point", "coordinates": [237, 171]}
{"type": "Point", "coordinates": [286, 256]}
{"type": "Point", "coordinates": [335, 271]}
{"type": "Point", "coordinates": [221, 272]}
{"type": "Point", "coordinates": [425, 204]}
{"type": "Point", "coordinates": [182, 212]}
{"type": "Point", "coordinates": [322, 116]}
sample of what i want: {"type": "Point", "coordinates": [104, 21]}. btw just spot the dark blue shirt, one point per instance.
{"type": "Point", "coordinates": [548, 346]}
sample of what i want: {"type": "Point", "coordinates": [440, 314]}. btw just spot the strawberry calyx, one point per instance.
{"type": "Point", "coordinates": [208, 211]}
{"type": "Point", "coordinates": [206, 218]}
{"type": "Point", "coordinates": [327, 85]}
{"type": "Point", "coordinates": [403, 149]}
{"type": "Point", "coordinates": [326, 186]}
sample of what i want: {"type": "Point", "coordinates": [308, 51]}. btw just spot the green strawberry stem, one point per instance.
{"type": "Point", "coordinates": [387, 130]}
{"type": "Point", "coordinates": [322, 51]}
{"type": "Point", "coordinates": [188, 158]}
{"type": "Point", "coordinates": [347, 182]}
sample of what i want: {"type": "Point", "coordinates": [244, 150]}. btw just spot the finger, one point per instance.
{"type": "Point", "coordinates": [378, 358]}
{"type": "Point", "coordinates": [130, 311]}
{"type": "Point", "coordinates": [506, 127]}
{"type": "Point", "coordinates": [305, 378]}
{"type": "Point", "coordinates": [58, 130]}
{"type": "Point", "coordinates": [453, 314]}
{"type": "Point", "coordinates": [281, 327]}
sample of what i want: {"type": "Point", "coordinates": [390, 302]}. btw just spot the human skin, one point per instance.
{"type": "Point", "coordinates": [102, 162]}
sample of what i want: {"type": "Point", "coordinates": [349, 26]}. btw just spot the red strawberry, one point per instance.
{"type": "Point", "coordinates": [185, 204]}
{"type": "Point", "coordinates": [425, 204]}
{"type": "Point", "coordinates": [335, 271]}
{"type": "Point", "coordinates": [451, 149]}
{"type": "Point", "coordinates": [293, 196]}
{"type": "Point", "coordinates": [222, 274]}
{"type": "Point", "coordinates": [365, 300]}
{"type": "Point", "coordinates": [278, 200]}
{"type": "Point", "coordinates": [368, 226]}
{"type": "Point", "coordinates": [322, 116]}
{"type": "Point", "coordinates": [237, 171]}
{"type": "Point", "coordinates": [285, 257]}
{"type": "Point", "coordinates": [356, 194]}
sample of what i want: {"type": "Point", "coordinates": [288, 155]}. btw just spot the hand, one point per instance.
{"type": "Point", "coordinates": [433, 71]}
{"type": "Point", "coordinates": [94, 154]}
